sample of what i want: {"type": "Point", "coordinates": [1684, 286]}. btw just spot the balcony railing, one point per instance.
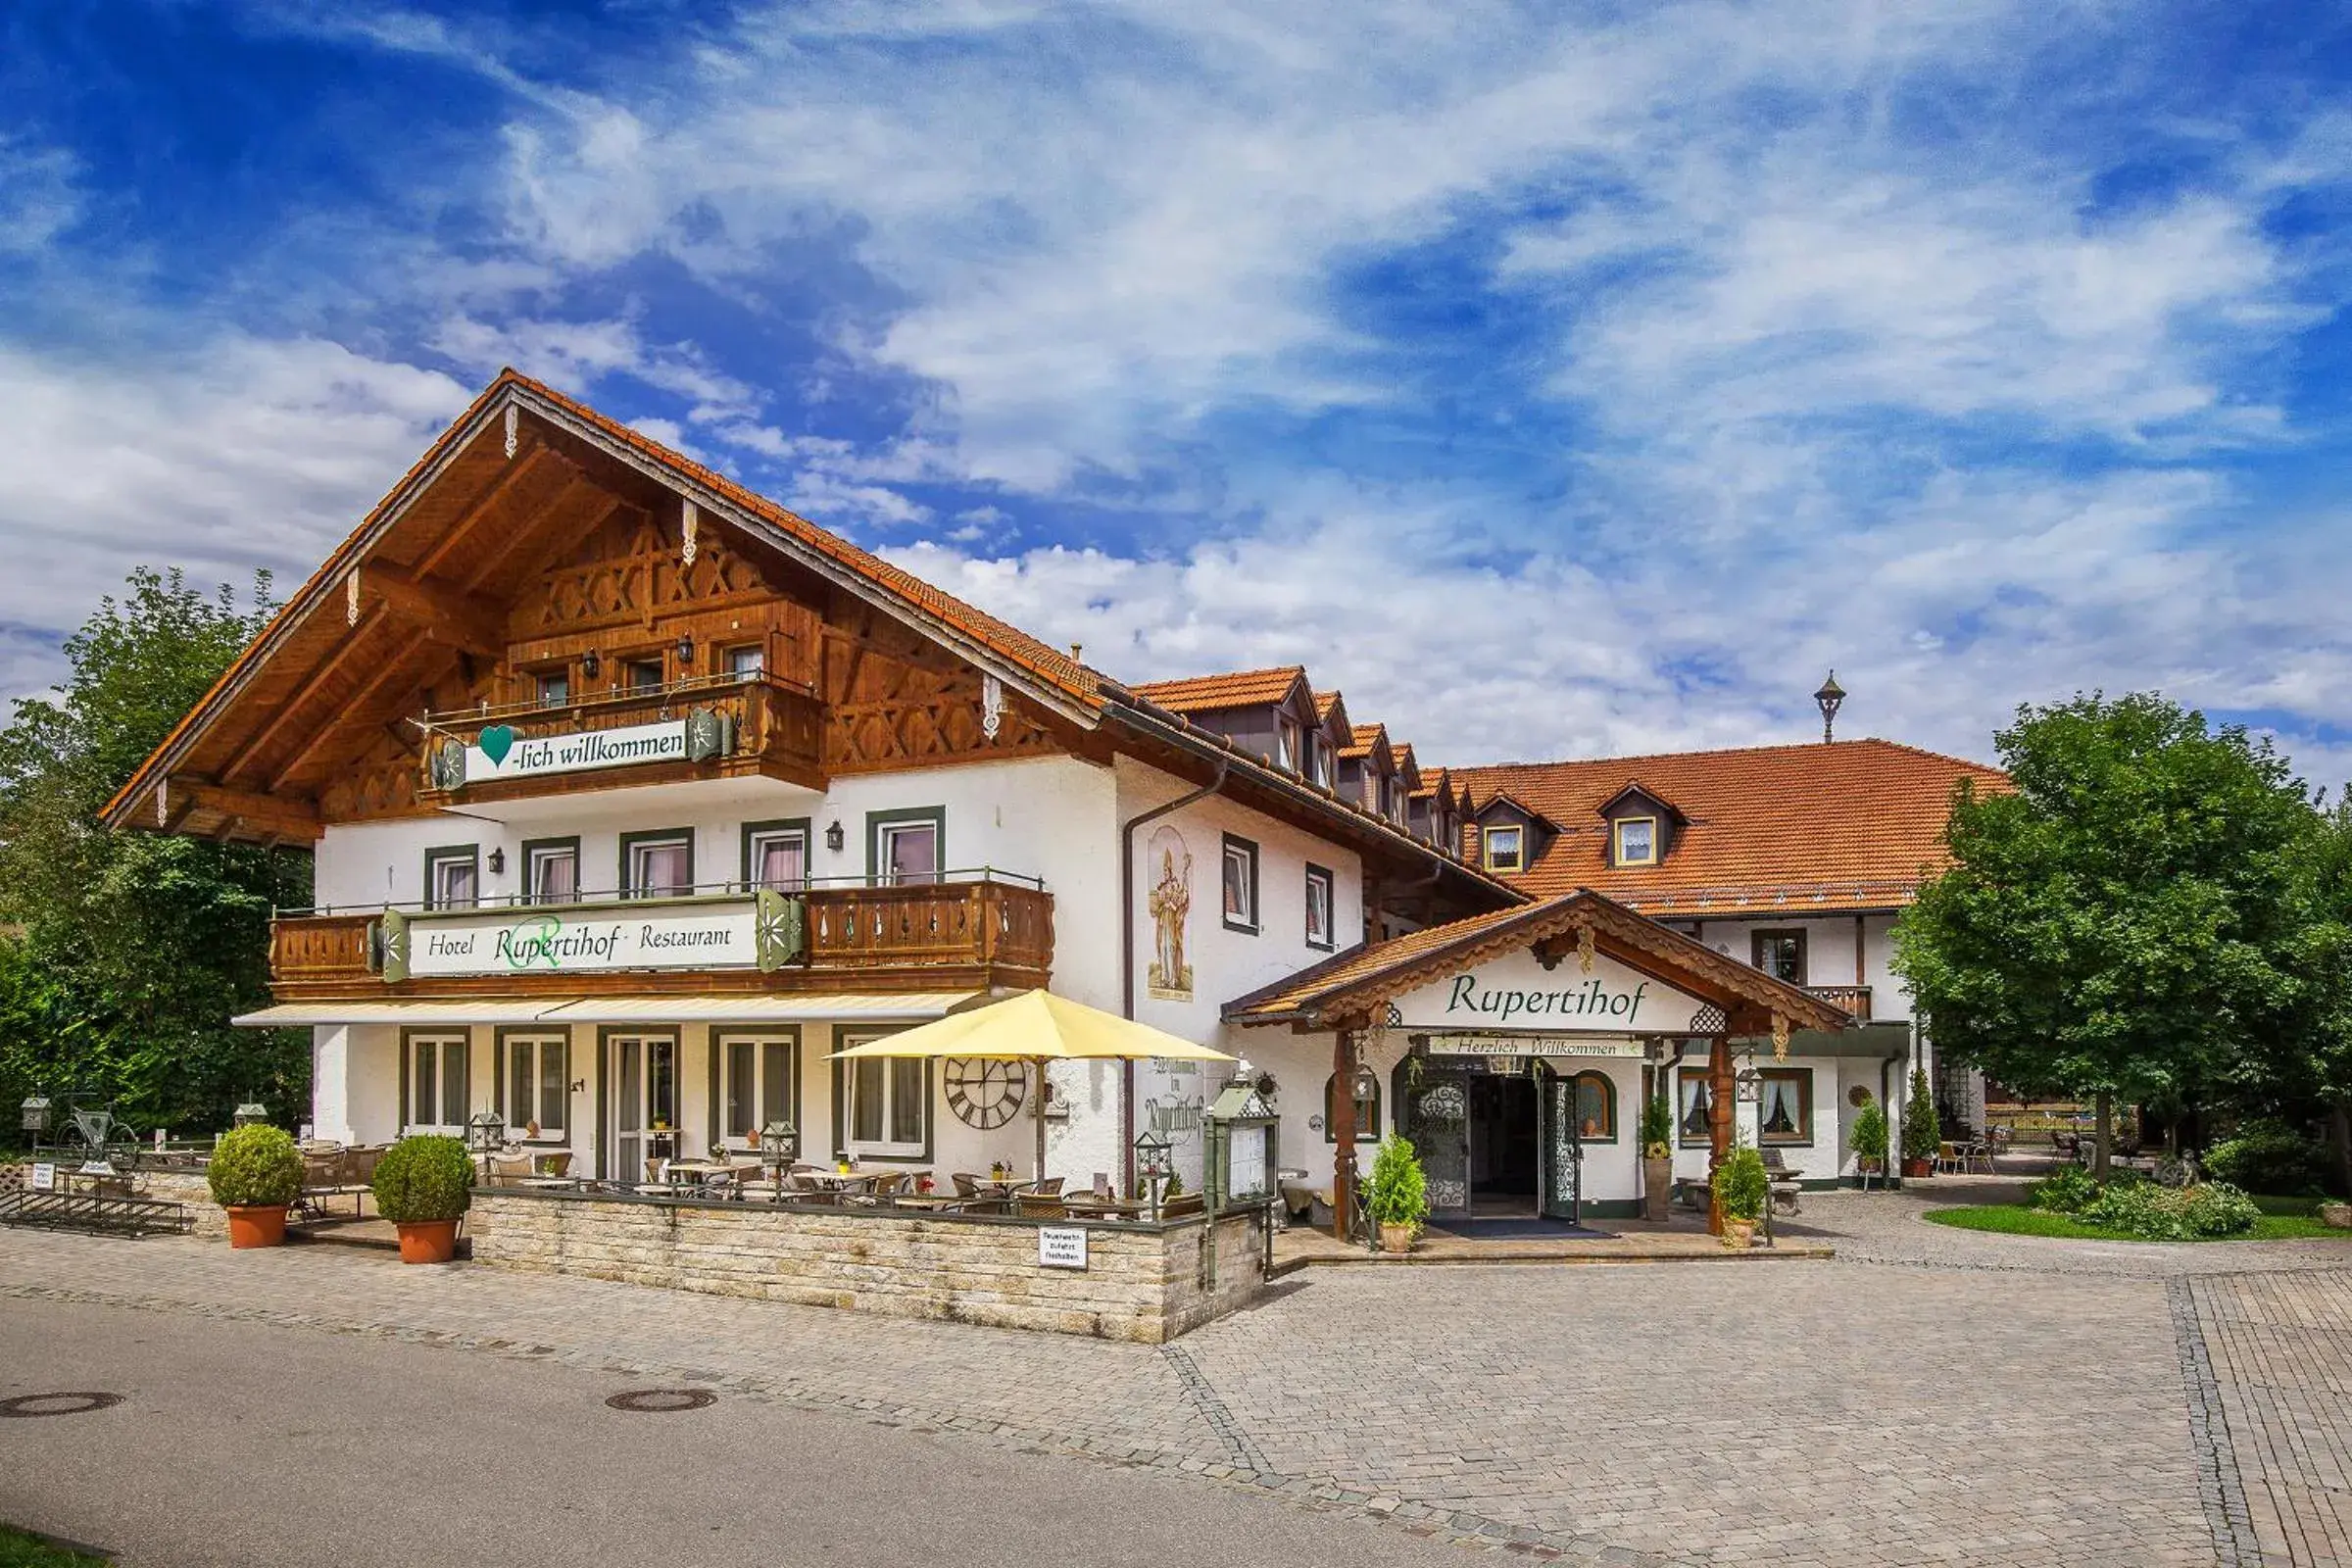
{"type": "Point", "coordinates": [1853, 998]}
{"type": "Point", "coordinates": [979, 928]}
{"type": "Point", "coordinates": [766, 724]}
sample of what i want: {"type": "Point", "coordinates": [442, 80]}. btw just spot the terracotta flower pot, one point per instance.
{"type": "Point", "coordinates": [1915, 1168]}
{"type": "Point", "coordinates": [1658, 1189]}
{"type": "Point", "coordinates": [427, 1240]}
{"type": "Point", "coordinates": [1738, 1234]}
{"type": "Point", "coordinates": [262, 1225]}
{"type": "Point", "coordinates": [1396, 1238]}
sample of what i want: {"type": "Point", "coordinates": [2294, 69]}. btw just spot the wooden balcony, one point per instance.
{"type": "Point", "coordinates": [943, 936]}
{"type": "Point", "coordinates": [765, 725]}
{"type": "Point", "coordinates": [1853, 998]}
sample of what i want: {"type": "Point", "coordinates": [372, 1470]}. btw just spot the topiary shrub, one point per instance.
{"type": "Point", "coordinates": [1869, 1136]}
{"type": "Point", "coordinates": [2268, 1156]}
{"type": "Point", "coordinates": [1740, 1185]}
{"type": "Point", "coordinates": [1657, 1128]}
{"type": "Point", "coordinates": [255, 1167]}
{"type": "Point", "coordinates": [1397, 1193]}
{"type": "Point", "coordinates": [2065, 1191]}
{"type": "Point", "coordinates": [423, 1179]}
{"type": "Point", "coordinates": [1923, 1135]}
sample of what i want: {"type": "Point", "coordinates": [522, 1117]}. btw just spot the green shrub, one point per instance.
{"type": "Point", "coordinates": [2066, 1191]}
{"type": "Point", "coordinates": [255, 1167]}
{"type": "Point", "coordinates": [1869, 1136]}
{"type": "Point", "coordinates": [1397, 1193]}
{"type": "Point", "coordinates": [1923, 1134]}
{"type": "Point", "coordinates": [1657, 1128]}
{"type": "Point", "coordinates": [2268, 1156]}
{"type": "Point", "coordinates": [420, 1178]}
{"type": "Point", "coordinates": [1740, 1185]}
{"type": "Point", "coordinates": [2158, 1214]}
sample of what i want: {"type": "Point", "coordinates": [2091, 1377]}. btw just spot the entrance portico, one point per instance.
{"type": "Point", "coordinates": [1517, 1048]}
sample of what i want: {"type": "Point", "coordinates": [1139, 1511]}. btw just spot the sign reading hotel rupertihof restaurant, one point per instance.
{"type": "Point", "coordinates": [1517, 992]}
{"type": "Point", "coordinates": [760, 931]}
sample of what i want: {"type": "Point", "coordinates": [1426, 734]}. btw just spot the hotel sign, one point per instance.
{"type": "Point", "coordinates": [1516, 994]}
{"type": "Point", "coordinates": [761, 932]}
{"type": "Point", "coordinates": [498, 753]}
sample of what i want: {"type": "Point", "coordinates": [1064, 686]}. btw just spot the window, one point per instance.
{"type": "Point", "coordinates": [1697, 1117]}
{"type": "Point", "coordinates": [1241, 885]}
{"type": "Point", "coordinates": [1506, 849]}
{"type": "Point", "coordinates": [641, 674]}
{"type": "Point", "coordinates": [905, 847]}
{"type": "Point", "coordinates": [1365, 1112]}
{"type": "Point", "coordinates": [453, 878]}
{"type": "Point", "coordinates": [1780, 955]}
{"type": "Point", "coordinates": [1320, 755]}
{"type": "Point", "coordinates": [1785, 1106]}
{"type": "Point", "coordinates": [776, 854]}
{"type": "Point", "coordinates": [889, 1110]}
{"type": "Point", "coordinates": [1318, 909]}
{"type": "Point", "coordinates": [554, 687]}
{"type": "Point", "coordinates": [749, 659]}
{"type": "Point", "coordinates": [656, 865]}
{"type": "Point", "coordinates": [1286, 744]}
{"type": "Point", "coordinates": [757, 1079]}
{"type": "Point", "coordinates": [535, 1085]}
{"type": "Point", "coordinates": [1637, 841]}
{"type": "Point", "coordinates": [439, 1082]}
{"type": "Point", "coordinates": [1595, 1100]}
{"type": "Point", "coordinates": [550, 870]}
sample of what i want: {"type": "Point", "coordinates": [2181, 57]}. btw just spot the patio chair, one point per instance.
{"type": "Point", "coordinates": [1048, 1186]}
{"type": "Point", "coordinates": [1042, 1205]}
{"type": "Point", "coordinates": [1947, 1159]}
{"type": "Point", "coordinates": [513, 1167]}
{"type": "Point", "coordinates": [968, 1185]}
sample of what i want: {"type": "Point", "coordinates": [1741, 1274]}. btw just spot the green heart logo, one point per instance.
{"type": "Point", "coordinates": [496, 742]}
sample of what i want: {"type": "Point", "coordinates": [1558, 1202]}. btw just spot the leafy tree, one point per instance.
{"type": "Point", "coordinates": [2302, 1075]}
{"type": "Point", "coordinates": [129, 951]}
{"type": "Point", "coordinates": [2127, 919]}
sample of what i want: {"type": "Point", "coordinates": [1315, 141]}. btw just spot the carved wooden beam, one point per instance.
{"type": "Point", "coordinates": [449, 616]}
{"type": "Point", "coordinates": [392, 670]}
{"type": "Point", "coordinates": [256, 750]}
{"type": "Point", "coordinates": [260, 813]}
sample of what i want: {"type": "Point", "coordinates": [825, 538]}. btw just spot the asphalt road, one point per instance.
{"type": "Point", "coordinates": [247, 1444]}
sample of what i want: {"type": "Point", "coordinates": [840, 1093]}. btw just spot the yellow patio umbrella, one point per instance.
{"type": "Point", "coordinates": [1036, 1027]}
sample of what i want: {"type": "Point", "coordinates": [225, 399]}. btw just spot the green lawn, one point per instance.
{"type": "Point", "coordinates": [20, 1550]}
{"type": "Point", "coordinates": [2285, 1219]}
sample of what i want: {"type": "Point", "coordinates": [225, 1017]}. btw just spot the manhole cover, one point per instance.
{"type": "Point", "coordinates": [58, 1403]}
{"type": "Point", "coordinates": [662, 1402]}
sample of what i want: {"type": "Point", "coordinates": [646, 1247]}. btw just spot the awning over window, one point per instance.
{"type": "Point", "coordinates": [846, 1007]}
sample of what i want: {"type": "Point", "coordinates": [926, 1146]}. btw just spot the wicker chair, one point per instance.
{"type": "Point", "coordinates": [1046, 1186]}
{"type": "Point", "coordinates": [968, 1185]}
{"type": "Point", "coordinates": [1042, 1205]}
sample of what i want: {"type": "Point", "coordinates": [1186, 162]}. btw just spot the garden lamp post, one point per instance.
{"type": "Point", "coordinates": [34, 1115]}
{"type": "Point", "coordinates": [486, 1131]}
{"type": "Point", "coordinates": [1152, 1164]}
{"type": "Point", "coordinates": [779, 1142]}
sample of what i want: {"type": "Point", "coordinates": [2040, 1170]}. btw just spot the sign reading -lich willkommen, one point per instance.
{"type": "Point", "coordinates": [761, 932]}
{"type": "Point", "coordinates": [1517, 992]}
{"type": "Point", "coordinates": [499, 753]}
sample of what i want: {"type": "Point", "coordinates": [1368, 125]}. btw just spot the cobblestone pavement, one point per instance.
{"type": "Point", "coordinates": [1932, 1397]}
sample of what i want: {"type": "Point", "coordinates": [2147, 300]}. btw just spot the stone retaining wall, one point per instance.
{"type": "Point", "coordinates": [1141, 1283]}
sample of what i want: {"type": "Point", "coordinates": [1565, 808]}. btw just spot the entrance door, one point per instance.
{"type": "Point", "coordinates": [642, 1120]}
{"type": "Point", "coordinates": [1506, 1144]}
{"type": "Point", "coordinates": [1439, 1125]}
{"type": "Point", "coordinates": [1563, 1150]}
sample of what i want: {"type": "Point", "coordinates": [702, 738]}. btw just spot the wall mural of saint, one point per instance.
{"type": "Point", "coordinates": [1170, 972]}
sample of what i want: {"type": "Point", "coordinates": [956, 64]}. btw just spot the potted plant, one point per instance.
{"type": "Point", "coordinates": [1740, 1192]}
{"type": "Point", "coordinates": [255, 1174]}
{"type": "Point", "coordinates": [423, 1186]}
{"type": "Point", "coordinates": [1923, 1135]}
{"type": "Point", "coordinates": [1657, 1159]}
{"type": "Point", "coordinates": [1868, 1139]}
{"type": "Point", "coordinates": [1397, 1194]}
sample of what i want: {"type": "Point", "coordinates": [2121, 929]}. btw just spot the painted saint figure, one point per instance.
{"type": "Point", "coordinates": [1170, 904]}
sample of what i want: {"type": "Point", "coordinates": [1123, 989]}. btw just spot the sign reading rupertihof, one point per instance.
{"type": "Point", "coordinates": [1517, 994]}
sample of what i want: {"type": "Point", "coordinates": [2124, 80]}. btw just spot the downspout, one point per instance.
{"type": "Point", "coordinates": [1127, 951]}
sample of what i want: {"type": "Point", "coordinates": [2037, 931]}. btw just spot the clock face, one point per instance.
{"type": "Point", "coordinates": [986, 1093]}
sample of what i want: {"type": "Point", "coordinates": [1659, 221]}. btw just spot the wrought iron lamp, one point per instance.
{"type": "Point", "coordinates": [833, 834]}
{"type": "Point", "coordinates": [250, 1115]}
{"type": "Point", "coordinates": [591, 665]}
{"type": "Point", "coordinates": [485, 1132]}
{"type": "Point", "coordinates": [686, 655]}
{"type": "Point", "coordinates": [779, 1143]}
{"type": "Point", "coordinates": [1366, 1084]}
{"type": "Point", "coordinates": [1829, 697]}
{"type": "Point", "coordinates": [1154, 1163]}
{"type": "Point", "coordinates": [1751, 1086]}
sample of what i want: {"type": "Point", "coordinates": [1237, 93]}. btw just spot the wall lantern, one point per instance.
{"type": "Point", "coordinates": [1366, 1085]}
{"type": "Point", "coordinates": [686, 652]}
{"type": "Point", "coordinates": [252, 1113]}
{"type": "Point", "coordinates": [591, 665]}
{"type": "Point", "coordinates": [833, 836]}
{"type": "Point", "coordinates": [1829, 697]}
{"type": "Point", "coordinates": [1751, 1086]}
{"type": "Point", "coordinates": [498, 862]}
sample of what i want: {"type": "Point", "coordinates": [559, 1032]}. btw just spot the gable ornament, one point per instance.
{"type": "Point", "coordinates": [513, 430]}
{"type": "Point", "coordinates": [1584, 947]}
{"type": "Point", "coordinates": [351, 598]}
{"type": "Point", "coordinates": [992, 707]}
{"type": "Point", "coordinates": [1780, 1038]}
{"type": "Point", "coordinates": [690, 526]}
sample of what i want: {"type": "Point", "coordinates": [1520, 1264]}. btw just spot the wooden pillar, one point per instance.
{"type": "Point", "coordinates": [1342, 1110]}
{"type": "Point", "coordinates": [1723, 1093]}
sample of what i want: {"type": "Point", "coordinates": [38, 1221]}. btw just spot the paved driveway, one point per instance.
{"type": "Point", "coordinates": [1931, 1396]}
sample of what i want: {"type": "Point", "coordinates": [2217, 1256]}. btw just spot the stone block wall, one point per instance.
{"type": "Point", "coordinates": [1144, 1284]}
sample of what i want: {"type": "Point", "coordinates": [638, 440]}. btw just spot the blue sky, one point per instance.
{"type": "Point", "coordinates": [1557, 380]}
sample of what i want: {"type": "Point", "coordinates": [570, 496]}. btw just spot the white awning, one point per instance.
{"type": "Point", "coordinates": [845, 1007]}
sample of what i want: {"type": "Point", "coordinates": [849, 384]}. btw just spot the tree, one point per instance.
{"type": "Point", "coordinates": [2302, 1075]}
{"type": "Point", "coordinates": [2128, 917]}
{"type": "Point", "coordinates": [131, 951]}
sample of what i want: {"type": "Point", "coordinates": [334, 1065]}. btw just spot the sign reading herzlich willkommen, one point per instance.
{"type": "Point", "coordinates": [499, 751]}
{"type": "Point", "coordinates": [1519, 993]}
{"type": "Point", "coordinates": [761, 932]}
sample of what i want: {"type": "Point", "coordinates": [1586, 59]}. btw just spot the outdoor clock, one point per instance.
{"type": "Point", "coordinates": [986, 1093]}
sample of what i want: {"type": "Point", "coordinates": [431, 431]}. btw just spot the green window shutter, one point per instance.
{"type": "Point", "coordinates": [780, 929]}
{"type": "Point", "coordinates": [393, 938]}
{"type": "Point", "coordinates": [706, 734]}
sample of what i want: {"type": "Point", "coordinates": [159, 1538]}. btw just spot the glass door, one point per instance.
{"type": "Point", "coordinates": [1563, 1148]}
{"type": "Point", "coordinates": [1441, 1132]}
{"type": "Point", "coordinates": [643, 1122]}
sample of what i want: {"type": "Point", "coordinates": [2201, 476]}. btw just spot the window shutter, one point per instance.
{"type": "Point", "coordinates": [780, 929]}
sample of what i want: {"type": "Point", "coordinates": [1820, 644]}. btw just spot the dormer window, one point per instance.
{"type": "Point", "coordinates": [1637, 841]}
{"type": "Point", "coordinates": [1506, 849]}
{"type": "Point", "coordinates": [1286, 744]}
{"type": "Point", "coordinates": [1322, 756]}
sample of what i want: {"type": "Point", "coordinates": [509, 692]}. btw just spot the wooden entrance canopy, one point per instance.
{"type": "Point", "coordinates": [1351, 993]}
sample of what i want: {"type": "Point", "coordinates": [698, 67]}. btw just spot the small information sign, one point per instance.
{"type": "Point", "coordinates": [1062, 1247]}
{"type": "Point", "coordinates": [44, 1177]}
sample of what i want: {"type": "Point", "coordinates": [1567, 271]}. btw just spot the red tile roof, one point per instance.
{"type": "Point", "coordinates": [1241, 688]}
{"type": "Point", "coordinates": [1361, 739]}
{"type": "Point", "coordinates": [1780, 829]}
